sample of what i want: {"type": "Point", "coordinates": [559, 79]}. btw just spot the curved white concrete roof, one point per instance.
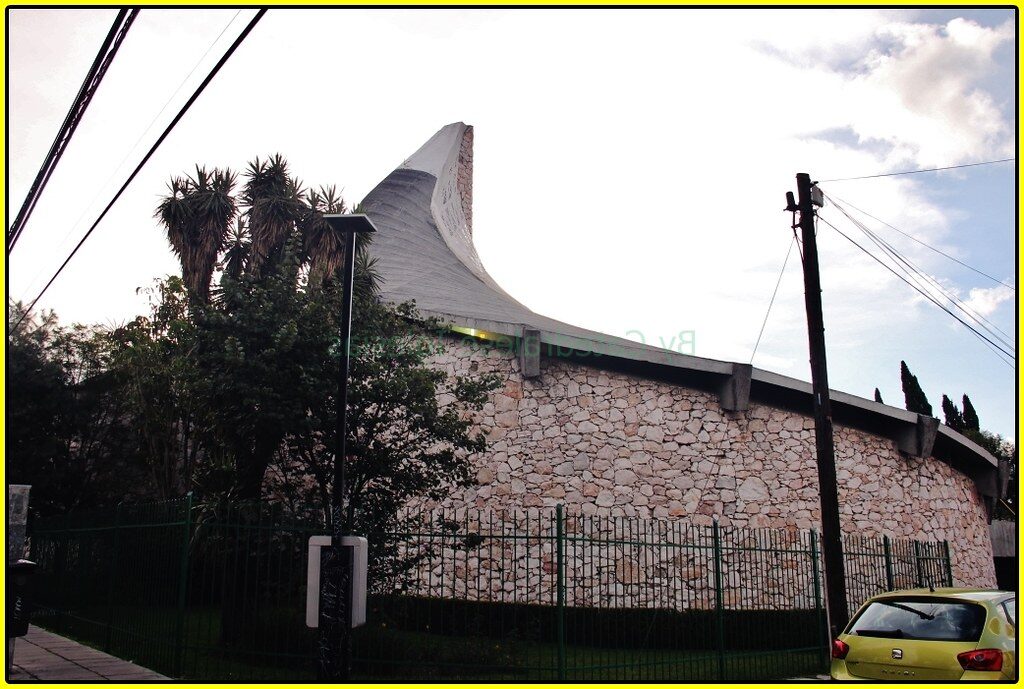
{"type": "Point", "coordinates": [424, 251]}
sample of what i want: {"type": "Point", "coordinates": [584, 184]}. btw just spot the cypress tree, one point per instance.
{"type": "Point", "coordinates": [916, 400]}
{"type": "Point", "coordinates": [878, 396]}
{"type": "Point", "coordinates": [954, 419]}
{"type": "Point", "coordinates": [970, 416]}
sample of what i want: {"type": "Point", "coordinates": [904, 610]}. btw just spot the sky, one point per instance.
{"type": "Point", "coordinates": [630, 165]}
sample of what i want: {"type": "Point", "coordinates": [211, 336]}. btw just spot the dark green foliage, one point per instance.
{"type": "Point", "coordinates": [954, 419]}
{"type": "Point", "coordinates": [1005, 451]}
{"type": "Point", "coordinates": [916, 401]}
{"type": "Point", "coordinates": [878, 396]}
{"type": "Point", "coordinates": [67, 423]}
{"type": "Point", "coordinates": [970, 416]}
{"type": "Point", "coordinates": [635, 628]}
{"type": "Point", "coordinates": [261, 369]}
{"type": "Point", "coordinates": [152, 359]}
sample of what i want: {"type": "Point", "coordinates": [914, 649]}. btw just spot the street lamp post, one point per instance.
{"type": "Point", "coordinates": [336, 561]}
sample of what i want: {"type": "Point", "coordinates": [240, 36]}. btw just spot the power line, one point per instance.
{"type": "Point", "coordinates": [135, 145]}
{"type": "Point", "coordinates": [108, 49]}
{"type": "Point", "coordinates": [915, 172]}
{"type": "Point", "coordinates": [922, 243]}
{"type": "Point", "coordinates": [772, 301]}
{"type": "Point", "coordinates": [915, 272]}
{"type": "Point", "coordinates": [181, 113]}
{"type": "Point", "coordinates": [911, 271]}
{"type": "Point", "coordinates": [999, 350]}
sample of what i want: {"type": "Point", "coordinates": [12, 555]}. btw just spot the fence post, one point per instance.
{"type": "Point", "coordinates": [818, 608]}
{"type": "Point", "coordinates": [560, 585]}
{"type": "Point", "coordinates": [719, 599]}
{"type": "Point", "coordinates": [917, 563]}
{"type": "Point", "coordinates": [890, 579]}
{"type": "Point", "coordinates": [949, 563]}
{"type": "Point", "coordinates": [109, 640]}
{"type": "Point", "coordinates": [179, 635]}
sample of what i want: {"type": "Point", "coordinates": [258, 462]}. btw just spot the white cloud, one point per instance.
{"type": "Point", "coordinates": [984, 301]}
{"type": "Point", "coordinates": [920, 94]}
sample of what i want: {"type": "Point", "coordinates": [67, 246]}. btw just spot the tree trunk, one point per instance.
{"type": "Point", "coordinates": [240, 603]}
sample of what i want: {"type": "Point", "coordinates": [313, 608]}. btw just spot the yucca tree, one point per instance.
{"type": "Point", "coordinates": [197, 215]}
{"type": "Point", "coordinates": [278, 259]}
{"type": "Point", "coordinates": [274, 205]}
{"type": "Point", "coordinates": [236, 256]}
{"type": "Point", "coordinates": [324, 248]}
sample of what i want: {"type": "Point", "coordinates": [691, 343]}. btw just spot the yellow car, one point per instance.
{"type": "Point", "coordinates": [924, 634]}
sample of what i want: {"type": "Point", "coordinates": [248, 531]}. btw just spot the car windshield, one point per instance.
{"type": "Point", "coordinates": [917, 618]}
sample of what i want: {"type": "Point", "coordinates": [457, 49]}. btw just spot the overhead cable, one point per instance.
{"type": "Point", "coordinates": [181, 113]}
{"type": "Point", "coordinates": [772, 300]}
{"type": "Point", "coordinates": [912, 270]}
{"type": "Point", "coordinates": [108, 49]}
{"type": "Point", "coordinates": [87, 207]}
{"type": "Point", "coordinates": [834, 199]}
{"type": "Point", "coordinates": [1000, 352]}
{"type": "Point", "coordinates": [917, 172]}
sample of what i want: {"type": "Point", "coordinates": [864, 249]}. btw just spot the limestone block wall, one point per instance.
{"type": "Point", "coordinates": [608, 443]}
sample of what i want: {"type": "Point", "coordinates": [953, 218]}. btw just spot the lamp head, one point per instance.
{"type": "Point", "coordinates": [356, 223]}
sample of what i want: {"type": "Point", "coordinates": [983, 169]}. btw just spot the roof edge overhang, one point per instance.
{"type": "Point", "coordinates": [903, 427]}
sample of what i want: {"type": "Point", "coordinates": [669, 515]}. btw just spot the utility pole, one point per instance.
{"type": "Point", "coordinates": [831, 533]}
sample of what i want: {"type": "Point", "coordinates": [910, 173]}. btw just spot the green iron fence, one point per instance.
{"type": "Point", "coordinates": [217, 592]}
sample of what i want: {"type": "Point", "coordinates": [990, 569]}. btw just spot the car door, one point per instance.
{"type": "Point", "coordinates": [1008, 608]}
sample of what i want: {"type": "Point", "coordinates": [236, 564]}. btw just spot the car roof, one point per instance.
{"type": "Point", "coordinates": [971, 594]}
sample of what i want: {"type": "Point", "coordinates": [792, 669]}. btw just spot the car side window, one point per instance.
{"type": "Point", "coordinates": [1010, 610]}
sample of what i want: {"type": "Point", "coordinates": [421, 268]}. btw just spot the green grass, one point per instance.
{"type": "Point", "coordinates": [281, 649]}
{"type": "Point", "coordinates": [459, 658]}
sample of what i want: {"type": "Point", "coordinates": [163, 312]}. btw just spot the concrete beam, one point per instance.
{"type": "Point", "coordinates": [734, 395]}
{"type": "Point", "coordinates": [529, 353]}
{"type": "Point", "coordinates": [1003, 474]}
{"type": "Point", "coordinates": [927, 429]}
{"type": "Point", "coordinates": [1004, 538]}
{"type": "Point", "coordinates": [918, 440]}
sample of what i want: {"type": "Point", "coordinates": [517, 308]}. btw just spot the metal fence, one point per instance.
{"type": "Point", "coordinates": [218, 593]}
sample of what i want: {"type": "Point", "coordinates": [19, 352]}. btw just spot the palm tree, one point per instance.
{"type": "Point", "coordinates": [196, 215]}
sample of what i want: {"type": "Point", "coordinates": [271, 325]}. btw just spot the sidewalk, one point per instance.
{"type": "Point", "coordinates": [41, 655]}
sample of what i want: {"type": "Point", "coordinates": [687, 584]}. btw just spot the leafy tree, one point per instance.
{"type": "Point", "coordinates": [970, 416]}
{"type": "Point", "coordinates": [954, 419]}
{"type": "Point", "coordinates": [257, 366]}
{"type": "Point", "coordinates": [68, 430]}
{"type": "Point", "coordinates": [916, 401]}
{"type": "Point", "coordinates": [404, 441]}
{"type": "Point", "coordinates": [878, 396]}
{"type": "Point", "coordinates": [152, 359]}
{"type": "Point", "coordinates": [252, 360]}
{"type": "Point", "coordinates": [1005, 451]}
{"type": "Point", "coordinates": [262, 359]}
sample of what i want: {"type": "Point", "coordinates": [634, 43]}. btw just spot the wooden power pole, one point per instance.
{"type": "Point", "coordinates": [831, 531]}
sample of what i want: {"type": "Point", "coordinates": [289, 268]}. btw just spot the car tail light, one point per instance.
{"type": "Point", "coordinates": [840, 649]}
{"type": "Point", "coordinates": [982, 659]}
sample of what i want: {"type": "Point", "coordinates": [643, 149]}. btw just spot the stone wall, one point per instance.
{"type": "Point", "coordinates": [608, 443]}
